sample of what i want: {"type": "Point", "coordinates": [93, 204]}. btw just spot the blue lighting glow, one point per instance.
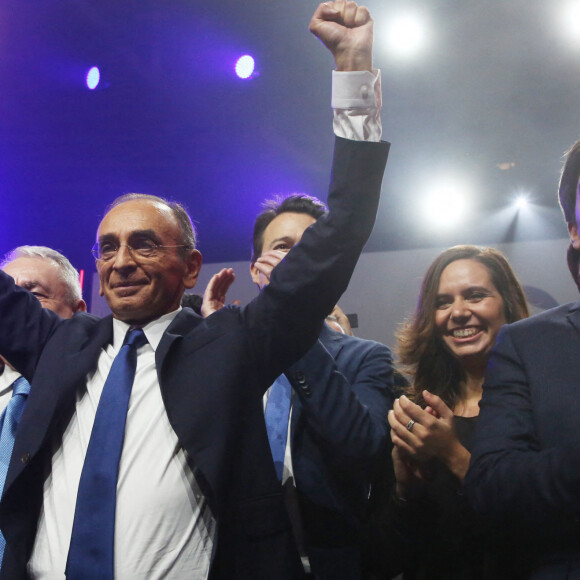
{"type": "Point", "coordinates": [245, 66]}
{"type": "Point", "coordinates": [93, 78]}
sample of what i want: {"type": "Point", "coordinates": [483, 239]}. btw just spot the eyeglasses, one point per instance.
{"type": "Point", "coordinates": [142, 248]}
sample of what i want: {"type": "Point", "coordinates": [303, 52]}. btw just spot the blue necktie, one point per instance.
{"type": "Point", "coordinates": [276, 415]}
{"type": "Point", "coordinates": [91, 552]}
{"type": "Point", "coordinates": [8, 423]}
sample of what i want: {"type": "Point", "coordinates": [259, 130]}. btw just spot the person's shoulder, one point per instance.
{"type": "Point", "coordinates": [86, 323]}
{"type": "Point", "coordinates": [86, 318]}
{"type": "Point", "coordinates": [547, 319]}
{"type": "Point", "coordinates": [354, 343]}
{"type": "Point", "coordinates": [366, 343]}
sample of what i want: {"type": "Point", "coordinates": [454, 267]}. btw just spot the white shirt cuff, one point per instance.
{"type": "Point", "coordinates": [356, 100]}
{"type": "Point", "coordinates": [356, 89]}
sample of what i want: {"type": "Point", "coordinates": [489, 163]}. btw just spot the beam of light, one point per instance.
{"type": "Point", "coordinates": [406, 35]}
{"type": "Point", "coordinates": [93, 78]}
{"type": "Point", "coordinates": [446, 203]}
{"type": "Point", "coordinates": [245, 66]}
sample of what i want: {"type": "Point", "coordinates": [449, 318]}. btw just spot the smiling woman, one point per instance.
{"type": "Point", "coordinates": [466, 289]}
{"type": "Point", "coordinates": [467, 294]}
{"type": "Point", "coordinates": [469, 313]}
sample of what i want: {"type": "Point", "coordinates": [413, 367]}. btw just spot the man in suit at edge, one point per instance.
{"type": "Point", "coordinates": [196, 494]}
{"type": "Point", "coordinates": [53, 280]}
{"type": "Point", "coordinates": [341, 394]}
{"type": "Point", "coordinates": [525, 460]}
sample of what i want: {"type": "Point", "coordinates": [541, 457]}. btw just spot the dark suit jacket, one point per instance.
{"type": "Point", "coordinates": [339, 435]}
{"type": "Point", "coordinates": [525, 465]}
{"type": "Point", "coordinates": [212, 374]}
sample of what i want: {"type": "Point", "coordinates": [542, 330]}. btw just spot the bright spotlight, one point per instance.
{"type": "Point", "coordinates": [406, 35]}
{"type": "Point", "coordinates": [570, 20]}
{"type": "Point", "coordinates": [245, 66]}
{"type": "Point", "coordinates": [93, 78]}
{"type": "Point", "coordinates": [521, 201]}
{"type": "Point", "coordinates": [446, 204]}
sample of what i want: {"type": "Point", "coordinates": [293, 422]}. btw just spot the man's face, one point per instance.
{"type": "Point", "coordinates": [139, 290]}
{"type": "Point", "coordinates": [282, 234]}
{"type": "Point", "coordinates": [42, 278]}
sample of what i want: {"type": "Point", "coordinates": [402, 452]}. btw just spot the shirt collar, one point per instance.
{"type": "Point", "coordinates": [153, 331]}
{"type": "Point", "coordinates": [7, 378]}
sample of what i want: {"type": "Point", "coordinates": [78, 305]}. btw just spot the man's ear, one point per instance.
{"type": "Point", "coordinates": [254, 273]}
{"type": "Point", "coordinates": [574, 236]}
{"type": "Point", "coordinates": [193, 261]}
{"type": "Point", "coordinates": [80, 306]}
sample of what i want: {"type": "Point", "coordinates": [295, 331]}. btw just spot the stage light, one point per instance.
{"type": "Point", "coordinates": [406, 35]}
{"type": "Point", "coordinates": [521, 201]}
{"type": "Point", "coordinates": [245, 66]}
{"type": "Point", "coordinates": [93, 78]}
{"type": "Point", "coordinates": [446, 203]}
{"type": "Point", "coordinates": [570, 20]}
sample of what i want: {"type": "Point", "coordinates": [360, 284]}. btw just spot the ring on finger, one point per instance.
{"type": "Point", "coordinates": [410, 425]}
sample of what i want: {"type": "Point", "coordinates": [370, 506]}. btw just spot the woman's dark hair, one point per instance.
{"type": "Point", "coordinates": [421, 350]}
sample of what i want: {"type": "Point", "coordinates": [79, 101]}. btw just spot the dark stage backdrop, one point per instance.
{"type": "Point", "coordinates": [492, 99]}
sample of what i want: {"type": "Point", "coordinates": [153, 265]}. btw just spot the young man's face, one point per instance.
{"type": "Point", "coordinates": [282, 234]}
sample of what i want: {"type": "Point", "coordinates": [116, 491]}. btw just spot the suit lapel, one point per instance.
{"type": "Point", "coordinates": [332, 341]}
{"type": "Point", "coordinates": [53, 390]}
{"type": "Point", "coordinates": [183, 323]}
{"type": "Point", "coordinates": [185, 391]}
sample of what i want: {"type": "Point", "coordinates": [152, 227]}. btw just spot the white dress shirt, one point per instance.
{"type": "Point", "coordinates": [163, 525]}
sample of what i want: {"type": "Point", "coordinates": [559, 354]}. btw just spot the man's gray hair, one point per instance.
{"type": "Point", "coordinates": [68, 272]}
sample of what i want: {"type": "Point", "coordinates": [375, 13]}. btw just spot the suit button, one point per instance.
{"type": "Point", "coordinates": [302, 384]}
{"type": "Point", "coordinates": [25, 458]}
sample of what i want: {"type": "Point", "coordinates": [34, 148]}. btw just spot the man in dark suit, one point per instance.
{"type": "Point", "coordinates": [342, 393]}
{"type": "Point", "coordinates": [196, 492]}
{"type": "Point", "coordinates": [525, 463]}
{"type": "Point", "coordinates": [49, 276]}
{"type": "Point", "coordinates": [54, 281]}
